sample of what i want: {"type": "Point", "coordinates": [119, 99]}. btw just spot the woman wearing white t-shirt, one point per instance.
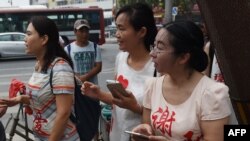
{"type": "Point", "coordinates": [183, 104]}
{"type": "Point", "coordinates": [136, 31]}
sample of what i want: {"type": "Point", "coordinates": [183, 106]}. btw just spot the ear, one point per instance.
{"type": "Point", "coordinates": [184, 58]}
{"type": "Point", "coordinates": [45, 39]}
{"type": "Point", "coordinates": [142, 32]}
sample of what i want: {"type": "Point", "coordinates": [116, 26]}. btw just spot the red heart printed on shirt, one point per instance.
{"type": "Point", "coordinates": [123, 81]}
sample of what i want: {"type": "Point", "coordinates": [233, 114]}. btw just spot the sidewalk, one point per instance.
{"type": "Point", "coordinates": [112, 40]}
{"type": "Point", "coordinates": [18, 138]}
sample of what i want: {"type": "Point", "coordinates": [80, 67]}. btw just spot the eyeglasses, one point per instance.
{"type": "Point", "coordinates": [155, 49]}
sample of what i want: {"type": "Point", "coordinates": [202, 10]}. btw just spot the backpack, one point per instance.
{"type": "Point", "coordinates": [85, 111]}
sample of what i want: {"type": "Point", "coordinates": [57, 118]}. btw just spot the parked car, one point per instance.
{"type": "Point", "coordinates": [12, 45]}
{"type": "Point", "coordinates": [110, 31]}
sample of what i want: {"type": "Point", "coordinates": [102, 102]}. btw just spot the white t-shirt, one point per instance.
{"type": "Point", "coordinates": [216, 72]}
{"type": "Point", "coordinates": [84, 58]}
{"type": "Point", "coordinates": [132, 80]}
{"type": "Point", "coordinates": [208, 101]}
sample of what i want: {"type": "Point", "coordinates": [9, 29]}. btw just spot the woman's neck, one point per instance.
{"type": "Point", "coordinates": [184, 78]}
{"type": "Point", "coordinates": [138, 58]}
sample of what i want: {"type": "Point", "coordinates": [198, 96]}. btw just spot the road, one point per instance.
{"type": "Point", "coordinates": [22, 69]}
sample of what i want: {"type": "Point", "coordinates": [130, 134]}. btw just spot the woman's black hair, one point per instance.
{"type": "Point", "coordinates": [187, 37]}
{"type": "Point", "coordinates": [141, 15]}
{"type": "Point", "coordinates": [45, 26]}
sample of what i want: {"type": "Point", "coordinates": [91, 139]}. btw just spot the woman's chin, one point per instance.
{"type": "Point", "coordinates": [28, 52]}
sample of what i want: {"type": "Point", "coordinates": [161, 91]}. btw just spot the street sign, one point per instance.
{"type": "Point", "coordinates": [174, 11]}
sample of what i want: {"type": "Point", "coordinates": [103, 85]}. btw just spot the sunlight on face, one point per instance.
{"type": "Point", "coordinates": [33, 41]}
{"type": "Point", "coordinates": [126, 35]}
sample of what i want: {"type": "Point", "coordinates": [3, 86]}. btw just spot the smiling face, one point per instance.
{"type": "Point", "coordinates": [126, 35]}
{"type": "Point", "coordinates": [35, 44]}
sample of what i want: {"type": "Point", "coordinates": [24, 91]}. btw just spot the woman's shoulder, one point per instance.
{"type": "Point", "coordinates": [154, 80]}
{"type": "Point", "coordinates": [212, 91]}
{"type": "Point", "coordinates": [213, 85]}
{"type": "Point", "coordinates": [60, 63]}
{"type": "Point", "coordinates": [121, 56]}
{"type": "Point", "coordinates": [215, 100]}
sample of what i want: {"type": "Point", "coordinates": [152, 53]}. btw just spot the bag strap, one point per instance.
{"type": "Point", "coordinates": [51, 73]}
{"type": "Point", "coordinates": [72, 117]}
{"type": "Point", "coordinates": [68, 48]}
{"type": "Point", "coordinates": [95, 48]}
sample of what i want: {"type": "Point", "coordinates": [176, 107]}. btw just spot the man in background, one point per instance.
{"type": "Point", "coordinates": [86, 57]}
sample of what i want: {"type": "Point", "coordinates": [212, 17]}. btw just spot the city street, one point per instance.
{"type": "Point", "coordinates": [21, 69]}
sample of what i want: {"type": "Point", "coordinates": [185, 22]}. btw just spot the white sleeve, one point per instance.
{"type": "Point", "coordinates": [215, 102]}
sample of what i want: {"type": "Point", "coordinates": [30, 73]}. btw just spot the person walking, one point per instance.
{"type": "Point", "coordinates": [51, 103]}
{"type": "Point", "coordinates": [135, 34]}
{"type": "Point", "coordinates": [86, 57]}
{"type": "Point", "coordinates": [184, 103]}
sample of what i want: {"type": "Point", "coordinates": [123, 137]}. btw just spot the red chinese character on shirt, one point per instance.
{"type": "Point", "coordinates": [38, 121]}
{"type": "Point", "coordinates": [219, 77]}
{"type": "Point", "coordinates": [162, 120]}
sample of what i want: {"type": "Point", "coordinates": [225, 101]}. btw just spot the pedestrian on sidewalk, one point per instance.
{"type": "Point", "coordinates": [51, 103]}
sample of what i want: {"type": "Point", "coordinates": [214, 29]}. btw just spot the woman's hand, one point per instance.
{"type": "Point", "coordinates": [2, 110]}
{"type": "Point", "coordinates": [91, 90]}
{"type": "Point", "coordinates": [146, 129]}
{"type": "Point", "coordinates": [127, 101]}
{"type": "Point", "coordinates": [157, 138]}
{"type": "Point", "coordinates": [10, 102]}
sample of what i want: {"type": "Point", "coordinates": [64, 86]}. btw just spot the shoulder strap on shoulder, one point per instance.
{"type": "Point", "coordinates": [95, 47]}
{"type": "Point", "coordinates": [72, 116]}
{"type": "Point", "coordinates": [69, 49]}
{"type": "Point", "coordinates": [51, 73]}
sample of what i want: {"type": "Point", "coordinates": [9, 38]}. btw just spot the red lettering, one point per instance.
{"type": "Point", "coordinates": [162, 120]}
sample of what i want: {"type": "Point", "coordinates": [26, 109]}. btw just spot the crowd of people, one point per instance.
{"type": "Point", "coordinates": [169, 96]}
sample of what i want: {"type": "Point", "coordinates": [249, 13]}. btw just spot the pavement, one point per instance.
{"type": "Point", "coordinates": [111, 40]}
{"type": "Point", "coordinates": [11, 113]}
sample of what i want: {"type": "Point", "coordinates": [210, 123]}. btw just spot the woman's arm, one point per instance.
{"type": "Point", "coordinates": [24, 99]}
{"type": "Point", "coordinates": [64, 103]}
{"type": "Point", "coordinates": [146, 115]}
{"type": "Point", "coordinates": [213, 130]}
{"type": "Point", "coordinates": [91, 90]}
